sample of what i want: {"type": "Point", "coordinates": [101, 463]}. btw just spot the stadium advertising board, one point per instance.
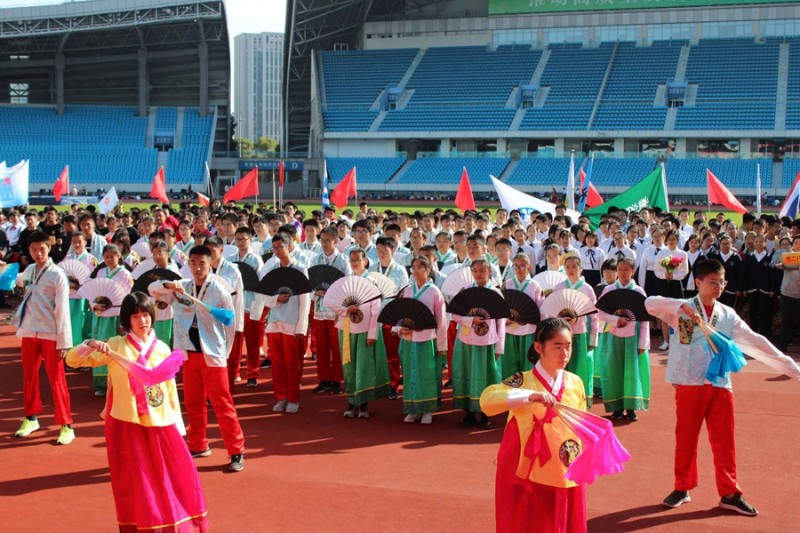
{"type": "Point", "coordinates": [270, 164]}
{"type": "Point", "coordinates": [512, 7]}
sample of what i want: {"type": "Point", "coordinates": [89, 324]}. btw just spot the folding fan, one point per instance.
{"type": "Point", "coordinates": [77, 275]}
{"type": "Point", "coordinates": [104, 296]}
{"type": "Point", "coordinates": [267, 256]}
{"type": "Point", "coordinates": [548, 280]}
{"type": "Point", "coordinates": [226, 284]}
{"type": "Point", "coordinates": [387, 287]}
{"type": "Point", "coordinates": [229, 250]}
{"type": "Point", "coordinates": [350, 290]}
{"type": "Point", "coordinates": [142, 249]}
{"type": "Point", "coordinates": [249, 275]}
{"type": "Point", "coordinates": [322, 276]}
{"type": "Point", "coordinates": [598, 290]}
{"type": "Point", "coordinates": [481, 302]}
{"type": "Point", "coordinates": [457, 280]}
{"type": "Point", "coordinates": [8, 277]}
{"type": "Point", "coordinates": [283, 280]}
{"type": "Point", "coordinates": [449, 269]}
{"type": "Point", "coordinates": [568, 304]}
{"type": "Point", "coordinates": [142, 267]}
{"type": "Point", "coordinates": [142, 283]}
{"type": "Point", "coordinates": [523, 309]}
{"type": "Point", "coordinates": [407, 313]}
{"type": "Point", "coordinates": [624, 303]}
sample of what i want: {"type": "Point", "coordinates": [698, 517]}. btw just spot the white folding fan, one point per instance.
{"type": "Point", "coordinates": [385, 284]}
{"type": "Point", "coordinates": [449, 269]}
{"type": "Point", "coordinates": [569, 304]}
{"type": "Point", "coordinates": [456, 281]}
{"type": "Point", "coordinates": [145, 266]}
{"type": "Point", "coordinates": [104, 296]}
{"type": "Point", "coordinates": [77, 275]}
{"type": "Point", "coordinates": [350, 290]}
{"type": "Point", "coordinates": [548, 280]}
{"type": "Point", "coordinates": [142, 249]}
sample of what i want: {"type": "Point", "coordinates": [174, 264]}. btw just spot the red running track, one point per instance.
{"type": "Point", "coordinates": [315, 471]}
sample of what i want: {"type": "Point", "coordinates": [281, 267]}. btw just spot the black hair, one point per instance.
{"type": "Point", "coordinates": [135, 302]}
{"type": "Point", "coordinates": [200, 249]}
{"type": "Point", "coordinates": [421, 259]}
{"type": "Point", "coordinates": [285, 238]}
{"type": "Point", "coordinates": [38, 236]}
{"type": "Point", "coordinates": [709, 266]}
{"type": "Point", "coordinates": [389, 242]}
{"type": "Point", "coordinates": [609, 264]}
{"type": "Point", "coordinates": [545, 331]}
{"type": "Point", "coordinates": [214, 240]}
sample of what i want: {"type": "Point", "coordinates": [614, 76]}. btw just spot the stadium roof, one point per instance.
{"type": "Point", "coordinates": [318, 25]}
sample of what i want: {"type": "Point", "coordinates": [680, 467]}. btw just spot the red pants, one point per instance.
{"type": "Point", "coordinates": [253, 339]}
{"type": "Point", "coordinates": [33, 351]}
{"type": "Point", "coordinates": [311, 338]}
{"type": "Point", "coordinates": [715, 406]}
{"type": "Point", "coordinates": [392, 344]}
{"type": "Point", "coordinates": [287, 365]}
{"type": "Point", "coordinates": [201, 381]}
{"type": "Point", "coordinates": [521, 505]}
{"type": "Point", "coordinates": [235, 359]}
{"type": "Point", "coordinates": [329, 359]}
{"type": "Point", "coordinates": [452, 333]}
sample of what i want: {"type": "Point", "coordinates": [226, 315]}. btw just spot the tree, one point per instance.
{"type": "Point", "coordinates": [266, 144]}
{"type": "Point", "coordinates": [245, 146]}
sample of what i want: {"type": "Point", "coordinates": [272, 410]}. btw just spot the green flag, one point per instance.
{"type": "Point", "coordinates": [651, 191]}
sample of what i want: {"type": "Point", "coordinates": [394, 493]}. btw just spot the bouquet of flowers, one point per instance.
{"type": "Point", "coordinates": [671, 262]}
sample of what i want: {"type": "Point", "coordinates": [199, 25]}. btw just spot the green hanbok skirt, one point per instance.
{"type": "Point", "coordinates": [474, 369]}
{"type": "Point", "coordinates": [366, 376]}
{"type": "Point", "coordinates": [582, 365]}
{"type": "Point", "coordinates": [599, 363]}
{"type": "Point", "coordinates": [163, 329]}
{"type": "Point", "coordinates": [78, 315]}
{"type": "Point", "coordinates": [103, 328]}
{"type": "Point", "coordinates": [422, 377]}
{"type": "Point", "coordinates": [515, 358]}
{"type": "Point", "coordinates": [626, 374]}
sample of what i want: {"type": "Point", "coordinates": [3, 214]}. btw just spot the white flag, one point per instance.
{"type": "Point", "coordinates": [109, 201]}
{"type": "Point", "coordinates": [570, 200]}
{"type": "Point", "coordinates": [758, 189]}
{"type": "Point", "coordinates": [511, 198]}
{"type": "Point", "coordinates": [14, 184]}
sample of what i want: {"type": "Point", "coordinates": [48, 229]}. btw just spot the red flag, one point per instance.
{"type": "Point", "coordinates": [61, 186]}
{"type": "Point", "coordinates": [159, 188]}
{"type": "Point", "coordinates": [593, 199]}
{"type": "Point", "coordinates": [344, 190]}
{"type": "Point", "coordinates": [247, 187]}
{"type": "Point", "coordinates": [281, 171]}
{"type": "Point", "coordinates": [203, 200]}
{"type": "Point", "coordinates": [719, 194]}
{"type": "Point", "coordinates": [464, 199]}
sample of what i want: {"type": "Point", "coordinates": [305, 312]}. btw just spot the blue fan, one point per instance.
{"type": "Point", "coordinates": [727, 356]}
{"type": "Point", "coordinates": [9, 277]}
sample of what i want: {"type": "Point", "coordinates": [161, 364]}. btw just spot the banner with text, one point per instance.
{"type": "Point", "coordinates": [511, 7]}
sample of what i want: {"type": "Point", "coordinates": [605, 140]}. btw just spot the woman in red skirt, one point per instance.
{"type": "Point", "coordinates": [532, 493]}
{"type": "Point", "coordinates": [154, 480]}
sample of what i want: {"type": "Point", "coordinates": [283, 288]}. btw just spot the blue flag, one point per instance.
{"type": "Point", "coordinates": [326, 200]}
{"type": "Point", "coordinates": [586, 179]}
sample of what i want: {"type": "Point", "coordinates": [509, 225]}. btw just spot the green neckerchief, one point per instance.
{"type": "Point", "coordinates": [417, 294]}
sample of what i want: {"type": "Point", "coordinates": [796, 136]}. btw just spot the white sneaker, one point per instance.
{"type": "Point", "coordinates": [410, 418]}
{"type": "Point", "coordinates": [280, 406]}
{"type": "Point", "coordinates": [427, 418]}
{"type": "Point", "coordinates": [66, 435]}
{"type": "Point", "coordinates": [363, 414]}
{"type": "Point", "coordinates": [349, 414]}
{"type": "Point", "coordinates": [664, 346]}
{"type": "Point", "coordinates": [292, 407]}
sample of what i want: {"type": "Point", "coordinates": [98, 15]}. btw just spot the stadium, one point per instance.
{"type": "Point", "coordinates": [410, 92]}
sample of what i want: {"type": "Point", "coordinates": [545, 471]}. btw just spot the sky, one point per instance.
{"type": "Point", "coordinates": [244, 16]}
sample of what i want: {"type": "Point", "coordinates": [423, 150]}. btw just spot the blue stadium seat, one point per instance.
{"type": "Point", "coordinates": [368, 169]}
{"type": "Point", "coordinates": [444, 171]}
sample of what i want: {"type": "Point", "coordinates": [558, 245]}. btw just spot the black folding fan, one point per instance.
{"type": "Point", "coordinates": [143, 282]}
{"type": "Point", "coordinates": [624, 303]}
{"type": "Point", "coordinates": [523, 309]}
{"type": "Point", "coordinates": [323, 276]}
{"type": "Point", "coordinates": [249, 275]}
{"type": "Point", "coordinates": [284, 280]}
{"type": "Point", "coordinates": [481, 302]}
{"type": "Point", "coordinates": [407, 313]}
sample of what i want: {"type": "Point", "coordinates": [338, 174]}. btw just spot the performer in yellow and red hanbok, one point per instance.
{"type": "Point", "coordinates": [532, 493]}
{"type": "Point", "coordinates": [153, 477]}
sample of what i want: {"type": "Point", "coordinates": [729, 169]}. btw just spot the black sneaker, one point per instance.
{"type": "Point", "coordinates": [266, 363]}
{"type": "Point", "coordinates": [677, 498]}
{"type": "Point", "coordinates": [393, 395]}
{"type": "Point", "coordinates": [448, 384]}
{"type": "Point", "coordinates": [322, 387]}
{"type": "Point", "coordinates": [252, 383]}
{"type": "Point", "coordinates": [631, 414]}
{"type": "Point", "coordinates": [738, 504]}
{"type": "Point", "coordinates": [335, 388]}
{"type": "Point", "coordinates": [617, 415]}
{"type": "Point", "coordinates": [468, 420]}
{"type": "Point", "coordinates": [204, 453]}
{"type": "Point", "coordinates": [237, 463]}
{"type": "Point", "coordinates": [485, 422]}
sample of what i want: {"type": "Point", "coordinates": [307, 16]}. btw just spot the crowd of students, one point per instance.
{"type": "Point", "coordinates": [659, 255]}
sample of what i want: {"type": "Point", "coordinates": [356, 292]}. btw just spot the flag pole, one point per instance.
{"type": "Point", "coordinates": [758, 189]}
{"type": "Point", "coordinates": [258, 173]}
{"type": "Point", "coordinates": [274, 198]}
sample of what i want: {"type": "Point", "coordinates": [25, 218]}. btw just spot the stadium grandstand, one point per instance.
{"type": "Point", "coordinates": [411, 91]}
{"type": "Point", "coordinates": [116, 90]}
